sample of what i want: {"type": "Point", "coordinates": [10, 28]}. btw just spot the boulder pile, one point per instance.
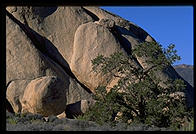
{"type": "Point", "coordinates": [49, 52]}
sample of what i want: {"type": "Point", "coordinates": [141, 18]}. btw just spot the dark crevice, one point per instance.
{"type": "Point", "coordinates": [91, 14]}
{"type": "Point", "coordinates": [123, 41]}
{"type": "Point", "coordinates": [8, 84]}
{"type": "Point", "coordinates": [44, 45]}
{"type": "Point", "coordinates": [29, 34]}
{"type": "Point", "coordinates": [126, 45]}
{"type": "Point", "coordinates": [44, 12]}
{"type": "Point", "coordinates": [82, 85]}
{"type": "Point", "coordinates": [139, 32]}
{"type": "Point", "coordinates": [73, 110]}
{"type": "Point", "coordinates": [25, 21]}
{"type": "Point", "coordinates": [9, 107]}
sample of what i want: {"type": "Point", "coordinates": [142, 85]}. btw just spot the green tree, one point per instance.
{"type": "Point", "coordinates": [138, 96]}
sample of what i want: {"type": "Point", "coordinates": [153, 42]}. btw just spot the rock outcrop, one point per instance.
{"type": "Point", "coordinates": [85, 49]}
{"type": "Point", "coordinates": [45, 95]}
{"type": "Point", "coordinates": [187, 72]}
{"type": "Point", "coordinates": [28, 59]}
{"type": "Point", "coordinates": [49, 52]}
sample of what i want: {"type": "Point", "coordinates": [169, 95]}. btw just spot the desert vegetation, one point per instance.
{"type": "Point", "coordinates": [36, 122]}
{"type": "Point", "coordinates": [138, 97]}
{"type": "Point", "coordinates": [54, 69]}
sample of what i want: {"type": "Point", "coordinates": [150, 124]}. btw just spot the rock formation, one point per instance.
{"type": "Point", "coordinates": [49, 52]}
{"type": "Point", "coordinates": [187, 72]}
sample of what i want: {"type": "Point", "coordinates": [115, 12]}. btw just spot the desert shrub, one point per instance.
{"type": "Point", "coordinates": [138, 96]}
{"type": "Point", "coordinates": [11, 121]}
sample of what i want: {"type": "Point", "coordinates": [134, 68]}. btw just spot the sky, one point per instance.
{"type": "Point", "coordinates": [166, 24]}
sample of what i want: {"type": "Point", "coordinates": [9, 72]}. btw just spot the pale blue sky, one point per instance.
{"type": "Point", "coordinates": [166, 24]}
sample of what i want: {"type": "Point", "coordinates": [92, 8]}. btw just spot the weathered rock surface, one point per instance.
{"type": "Point", "coordinates": [58, 27]}
{"type": "Point", "coordinates": [122, 23]}
{"type": "Point", "coordinates": [25, 61]}
{"type": "Point", "coordinates": [76, 92]}
{"type": "Point", "coordinates": [86, 49]}
{"type": "Point", "coordinates": [49, 52]}
{"type": "Point", "coordinates": [78, 108]}
{"type": "Point", "coordinates": [187, 72]}
{"type": "Point", "coordinates": [45, 95]}
{"type": "Point", "coordinates": [14, 93]}
{"type": "Point", "coordinates": [132, 36]}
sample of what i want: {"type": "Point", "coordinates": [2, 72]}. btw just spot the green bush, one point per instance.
{"type": "Point", "coordinates": [138, 96]}
{"type": "Point", "coordinates": [11, 121]}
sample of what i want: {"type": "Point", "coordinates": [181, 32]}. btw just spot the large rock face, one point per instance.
{"type": "Point", "coordinates": [27, 59]}
{"type": "Point", "coordinates": [58, 25]}
{"type": "Point", "coordinates": [49, 52]}
{"type": "Point", "coordinates": [23, 59]}
{"type": "Point", "coordinates": [86, 49]}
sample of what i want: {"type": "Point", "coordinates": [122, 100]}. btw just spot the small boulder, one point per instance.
{"type": "Point", "coordinates": [108, 23]}
{"type": "Point", "coordinates": [45, 95]}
